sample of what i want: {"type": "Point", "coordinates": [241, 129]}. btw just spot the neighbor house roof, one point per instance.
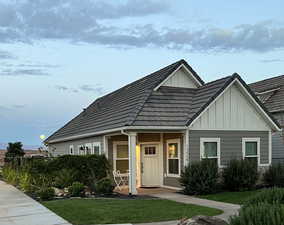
{"type": "Point", "coordinates": [139, 104]}
{"type": "Point", "coordinates": [271, 93]}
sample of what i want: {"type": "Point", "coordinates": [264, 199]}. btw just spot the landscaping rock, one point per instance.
{"type": "Point", "coordinates": [59, 192]}
{"type": "Point", "coordinates": [202, 220]}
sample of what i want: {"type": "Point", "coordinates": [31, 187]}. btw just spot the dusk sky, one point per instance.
{"type": "Point", "coordinates": [58, 56]}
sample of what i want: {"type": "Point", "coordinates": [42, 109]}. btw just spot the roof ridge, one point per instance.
{"type": "Point", "coordinates": [267, 79]}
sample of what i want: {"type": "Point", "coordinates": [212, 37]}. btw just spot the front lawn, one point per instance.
{"type": "Point", "coordinates": [231, 197]}
{"type": "Point", "coordinates": [102, 211]}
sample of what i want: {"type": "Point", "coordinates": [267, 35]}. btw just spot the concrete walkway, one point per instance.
{"type": "Point", "coordinates": [16, 208]}
{"type": "Point", "coordinates": [227, 208]}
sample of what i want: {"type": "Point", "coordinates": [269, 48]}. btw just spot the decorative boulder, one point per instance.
{"type": "Point", "coordinates": [202, 220]}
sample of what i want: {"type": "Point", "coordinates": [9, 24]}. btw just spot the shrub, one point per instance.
{"type": "Point", "coordinates": [104, 186]}
{"type": "Point", "coordinates": [274, 176]}
{"type": "Point", "coordinates": [240, 175]}
{"type": "Point", "coordinates": [76, 189]}
{"type": "Point", "coordinates": [46, 193]}
{"type": "Point", "coordinates": [271, 196]}
{"type": "Point", "coordinates": [10, 175]}
{"type": "Point", "coordinates": [14, 150]}
{"type": "Point", "coordinates": [25, 182]}
{"type": "Point", "coordinates": [64, 178]}
{"type": "Point", "coordinates": [200, 178]}
{"type": "Point", "coordinates": [260, 214]}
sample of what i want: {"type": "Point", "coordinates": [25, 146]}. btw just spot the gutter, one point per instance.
{"type": "Point", "coordinates": [116, 130]}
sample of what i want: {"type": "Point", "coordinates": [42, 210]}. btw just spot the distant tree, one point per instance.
{"type": "Point", "coordinates": [14, 150]}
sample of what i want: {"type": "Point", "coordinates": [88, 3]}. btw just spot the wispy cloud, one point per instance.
{"type": "Point", "coordinates": [82, 88]}
{"type": "Point", "coordinates": [6, 55]}
{"type": "Point", "coordinates": [23, 72]}
{"type": "Point", "coordinates": [90, 88]}
{"type": "Point", "coordinates": [271, 60]}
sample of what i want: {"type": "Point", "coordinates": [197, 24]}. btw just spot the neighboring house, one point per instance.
{"type": "Point", "coordinates": [271, 93]}
{"type": "Point", "coordinates": [160, 123]}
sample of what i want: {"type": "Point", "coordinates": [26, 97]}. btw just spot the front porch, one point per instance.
{"type": "Point", "coordinates": [143, 191]}
{"type": "Point", "coordinates": [149, 160]}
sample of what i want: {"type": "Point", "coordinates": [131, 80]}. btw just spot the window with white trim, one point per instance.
{"type": "Point", "coordinates": [88, 149]}
{"type": "Point", "coordinates": [96, 148]}
{"type": "Point", "coordinates": [251, 149]}
{"type": "Point", "coordinates": [81, 149]}
{"type": "Point", "coordinates": [210, 149]}
{"type": "Point", "coordinates": [173, 157]}
{"type": "Point", "coordinates": [71, 150]}
{"type": "Point", "coordinates": [121, 157]}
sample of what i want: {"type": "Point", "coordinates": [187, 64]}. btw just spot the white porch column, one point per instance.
{"type": "Point", "coordinates": [132, 163]}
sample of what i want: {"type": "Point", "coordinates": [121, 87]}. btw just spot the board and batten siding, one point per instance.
{"type": "Point", "coordinates": [181, 78]}
{"type": "Point", "coordinates": [62, 148]}
{"type": "Point", "coordinates": [231, 111]}
{"type": "Point", "coordinates": [230, 144]}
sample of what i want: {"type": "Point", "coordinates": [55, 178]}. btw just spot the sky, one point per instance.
{"type": "Point", "coordinates": [58, 56]}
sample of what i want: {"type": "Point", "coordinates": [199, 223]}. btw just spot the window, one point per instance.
{"type": "Point", "coordinates": [96, 148]}
{"type": "Point", "coordinates": [173, 157]}
{"type": "Point", "coordinates": [71, 150]}
{"type": "Point", "coordinates": [251, 149]}
{"type": "Point", "coordinates": [88, 149]}
{"type": "Point", "coordinates": [81, 149]}
{"type": "Point", "coordinates": [210, 149]}
{"type": "Point", "coordinates": [121, 157]}
{"type": "Point", "coordinates": [150, 150]}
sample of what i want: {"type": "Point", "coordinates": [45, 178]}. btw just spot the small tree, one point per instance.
{"type": "Point", "coordinates": [14, 150]}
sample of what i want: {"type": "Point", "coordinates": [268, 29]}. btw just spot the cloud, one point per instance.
{"type": "Point", "coordinates": [65, 88]}
{"type": "Point", "coordinates": [23, 72]}
{"type": "Point", "coordinates": [88, 22]}
{"type": "Point", "coordinates": [271, 60]}
{"type": "Point", "coordinates": [6, 55]}
{"type": "Point", "coordinates": [90, 88]}
{"type": "Point", "coordinates": [18, 106]}
{"type": "Point", "coordinates": [85, 88]}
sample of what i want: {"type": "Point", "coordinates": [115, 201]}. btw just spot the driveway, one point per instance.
{"type": "Point", "coordinates": [16, 208]}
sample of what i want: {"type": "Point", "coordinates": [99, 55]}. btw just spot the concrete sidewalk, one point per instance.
{"type": "Point", "coordinates": [16, 208]}
{"type": "Point", "coordinates": [227, 208]}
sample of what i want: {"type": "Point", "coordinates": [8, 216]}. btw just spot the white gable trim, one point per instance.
{"type": "Point", "coordinates": [236, 80]}
{"type": "Point", "coordinates": [182, 66]}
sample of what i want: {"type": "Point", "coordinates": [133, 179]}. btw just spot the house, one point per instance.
{"type": "Point", "coordinates": [271, 93]}
{"type": "Point", "coordinates": [157, 125]}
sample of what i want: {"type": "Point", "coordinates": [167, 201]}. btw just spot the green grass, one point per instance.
{"type": "Point", "coordinates": [102, 211]}
{"type": "Point", "coordinates": [231, 197]}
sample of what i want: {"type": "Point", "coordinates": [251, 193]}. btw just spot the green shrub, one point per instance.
{"type": "Point", "coordinates": [240, 175]}
{"type": "Point", "coordinates": [64, 178]}
{"type": "Point", "coordinates": [200, 178]}
{"type": "Point", "coordinates": [10, 175]}
{"type": "Point", "coordinates": [76, 189]}
{"type": "Point", "coordinates": [274, 176]}
{"type": "Point", "coordinates": [25, 182]}
{"type": "Point", "coordinates": [271, 196]}
{"type": "Point", "coordinates": [46, 193]}
{"type": "Point", "coordinates": [260, 214]}
{"type": "Point", "coordinates": [104, 186]}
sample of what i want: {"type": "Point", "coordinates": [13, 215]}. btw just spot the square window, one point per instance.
{"type": "Point", "coordinates": [210, 149]}
{"type": "Point", "coordinates": [251, 148]}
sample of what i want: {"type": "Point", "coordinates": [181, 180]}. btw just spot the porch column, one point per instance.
{"type": "Point", "coordinates": [132, 163]}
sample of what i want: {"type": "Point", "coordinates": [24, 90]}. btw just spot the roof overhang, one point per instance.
{"type": "Point", "coordinates": [74, 137]}
{"type": "Point", "coordinates": [252, 98]}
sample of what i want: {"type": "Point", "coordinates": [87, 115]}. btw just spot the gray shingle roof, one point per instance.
{"type": "Point", "coordinates": [273, 98]}
{"type": "Point", "coordinates": [137, 104]}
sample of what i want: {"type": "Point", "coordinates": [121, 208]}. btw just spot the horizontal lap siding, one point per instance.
{"type": "Point", "coordinates": [278, 147]}
{"type": "Point", "coordinates": [62, 148]}
{"type": "Point", "coordinates": [230, 144]}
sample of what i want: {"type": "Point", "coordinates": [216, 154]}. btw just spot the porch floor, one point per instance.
{"type": "Point", "coordinates": [146, 190]}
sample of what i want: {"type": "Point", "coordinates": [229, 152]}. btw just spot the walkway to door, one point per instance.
{"type": "Point", "coordinates": [16, 208]}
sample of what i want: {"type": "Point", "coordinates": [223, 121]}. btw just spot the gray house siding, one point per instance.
{"type": "Point", "coordinates": [230, 144]}
{"type": "Point", "coordinates": [62, 148]}
{"type": "Point", "coordinates": [278, 141]}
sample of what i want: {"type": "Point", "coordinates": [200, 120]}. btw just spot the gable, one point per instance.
{"type": "Point", "coordinates": [180, 78]}
{"type": "Point", "coordinates": [231, 111]}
